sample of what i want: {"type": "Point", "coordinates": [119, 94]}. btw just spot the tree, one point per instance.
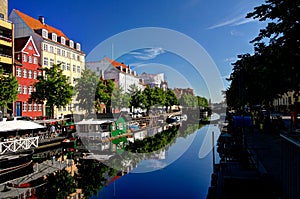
{"type": "Point", "coordinates": [171, 99]}
{"type": "Point", "coordinates": [104, 93]}
{"type": "Point", "coordinates": [138, 100]}
{"type": "Point", "coordinates": [86, 89]}
{"type": "Point", "coordinates": [8, 89]}
{"type": "Point", "coordinates": [119, 98]}
{"type": "Point", "coordinates": [53, 88]}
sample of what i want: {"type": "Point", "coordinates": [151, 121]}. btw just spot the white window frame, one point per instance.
{"type": "Point", "coordinates": [63, 40]}
{"type": "Point", "coordinates": [19, 72]}
{"type": "Point", "coordinates": [24, 89]}
{"type": "Point", "coordinates": [54, 37]}
{"type": "Point", "coordinates": [35, 60]}
{"type": "Point", "coordinates": [34, 74]}
{"type": "Point", "coordinates": [24, 106]}
{"type": "Point", "coordinates": [30, 74]}
{"type": "Point", "coordinates": [20, 89]}
{"type": "Point", "coordinates": [45, 33]}
{"type": "Point", "coordinates": [45, 62]}
{"type": "Point", "coordinates": [25, 73]}
{"type": "Point", "coordinates": [24, 58]}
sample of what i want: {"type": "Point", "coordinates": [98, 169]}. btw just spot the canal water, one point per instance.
{"type": "Point", "coordinates": [183, 171]}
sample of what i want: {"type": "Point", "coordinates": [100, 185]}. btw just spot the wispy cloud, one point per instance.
{"type": "Point", "coordinates": [227, 22]}
{"type": "Point", "coordinates": [230, 59]}
{"type": "Point", "coordinates": [148, 53]}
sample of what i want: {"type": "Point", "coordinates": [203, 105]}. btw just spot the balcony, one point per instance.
{"type": "Point", "coordinates": [6, 24]}
{"type": "Point", "coordinates": [6, 59]}
{"type": "Point", "coordinates": [6, 41]}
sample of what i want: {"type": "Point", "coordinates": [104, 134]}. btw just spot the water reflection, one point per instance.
{"type": "Point", "coordinates": [97, 169]}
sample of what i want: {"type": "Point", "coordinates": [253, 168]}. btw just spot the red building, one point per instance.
{"type": "Point", "coordinates": [26, 66]}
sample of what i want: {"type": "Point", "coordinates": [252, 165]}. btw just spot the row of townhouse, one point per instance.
{"type": "Point", "coordinates": [27, 45]}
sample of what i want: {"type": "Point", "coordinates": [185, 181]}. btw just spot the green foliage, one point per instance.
{"type": "Point", "coordinates": [8, 89]}
{"type": "Point", "coordinates": [104, 92]}
{"type": "Point", "coordinates": [154, 143]}
{"type": "Point", "coordinates": [119, 99]}
{"type": "Point", "coordinates": [58, 185]}
{"type": "Point", "coordinates": [90, 176]}
{"type": "Point", "coordinates": [86, 88]}
{"type": "Point", "coordinates": [54, 88]}
{"type": "Point", "coordinates": [274, 67]}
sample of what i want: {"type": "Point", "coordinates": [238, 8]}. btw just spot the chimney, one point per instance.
{"type": "Point", "coordinates": [42, 19]}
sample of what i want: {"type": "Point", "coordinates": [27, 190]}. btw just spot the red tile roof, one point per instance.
{"type": "Point", "coordinates": [35, 24]}
{"type": "Point", "coordinates": [115, 63]}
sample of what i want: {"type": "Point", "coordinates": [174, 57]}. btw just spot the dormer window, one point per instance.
{"type": "Point", "coordinates": [63, 40]}
{"type": "Point", "coordinates": [54, 37]}
{"type": "Point", "coordinates": [71, 44]}
{"type": "Point", "coordinates": [45, 33]}
{"type": "Point", "coordinates": [77, 46]}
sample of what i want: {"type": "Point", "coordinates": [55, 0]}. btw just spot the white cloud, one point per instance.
{"type": "Point", "coordinates": [230, 59]}
{"type": "Point", "coordinates": [148, 53]}
{"type": "Point", "coordinates": [227, 22]}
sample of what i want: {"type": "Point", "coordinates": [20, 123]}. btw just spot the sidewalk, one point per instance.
{"type": "Point", "coordinates": [265, 149]}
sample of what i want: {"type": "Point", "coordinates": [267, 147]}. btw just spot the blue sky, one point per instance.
{"type": "Point", "coordinates": [219, 27]}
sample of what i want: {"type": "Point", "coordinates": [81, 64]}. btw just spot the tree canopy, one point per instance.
{"type": "Point", "coordinates": [273, 69]}
{"type": "Point", "coordinates": [8, 89]}
{"type": "Point", "coordinates": [86, 88]}
{"type": "Point", "coordinates": [53, 88]}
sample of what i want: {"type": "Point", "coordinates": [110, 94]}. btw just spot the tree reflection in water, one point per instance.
{"type": "Point", "coordinates": [92, 175]}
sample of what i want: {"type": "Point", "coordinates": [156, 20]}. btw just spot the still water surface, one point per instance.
{"type": "Point", "coordinates": [184, 173]}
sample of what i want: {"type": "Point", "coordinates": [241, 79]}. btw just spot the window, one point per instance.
{"type": "Point", "coordinates": [19, 88]}
{"type": "Point", "coordinates": [35, 60]}
{"type": "Point", "coordinates": [29, 47]}
{"type": "Point", "coordinates": [30, 74]}
{"type": "Point", "coordinates": [51, 62]}
{"type": "Point", "coordinates": [68, 54]}
{"type": "Point", "coordinates": [18, 56]}
{"type": "Point", "coordinates": [40, 73]}
{"type": "Point", "coordinates": [68, 66]}
{"type": "Point", "coordinates": [73, 56]}
{"type": "Point", "coordinates": [62, 40]}
{"type": "Point", "coordinates": [78, 58]}
{"type": "Point", "coordinates": [51, 49]}
{"type": "Point", "coordinates": [74, 80]}
{"type": "Point", "coordinates": [29, 59]}
{"type": "Point", "coordinates": [65, 109]}
{"type": "Point", "coordinates": [24, 73]}
{"type": "Point", "coordinates": [78, 69]}
{"type": "Point", "coordinates": [29, 107]}
{"type": "Point", "coordinates": [29, 90]}
{"type": "Point", "coordinates": [71, 43]}
{"type": "Point", "coordinates": [34, 89]}
{"type": "Point", "coordinates": [69, 107]}
{"type": "Point", "coordinates": [24, 58]}
{"type": "Point", "coordinates": [77, 46]}
{"type": "Point", "coordinates": [44, 33]}
{"type": "Point", "coordinates": [34, 107]}
{"type": "Point", "coordinates": [74, 68]}
{"type": "Point", "coordinates": [63, 53]}
{"type": "Point", "coordinates": [54, 37]}
{"type": "Point", "coordinates": [40, 107]}
{"type": "Point", "coordinates": [24, 89]}
{"type": "Point", "coordinates": [58, 51]}
{"type": "Point", "coordinates": [19, 72]}
{"type": "Point", "coordinates": [45, 47]}
{"type": "Point", "coordinates": [24, 106]}
{"type": "Point", "coordinates": [63, 66]}
{"type": "Point", "coordinates": [34, 75]}
{"type": "Point", "coordinates": [46, 61]}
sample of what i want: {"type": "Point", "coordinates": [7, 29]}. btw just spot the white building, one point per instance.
{"type": "Point", "coordinates": [121, 74]}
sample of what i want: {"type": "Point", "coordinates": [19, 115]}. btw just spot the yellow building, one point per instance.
{"type": "Point", "coordinates": [55, 48]}
{"type": "Point", "coordinates": [6, 41]}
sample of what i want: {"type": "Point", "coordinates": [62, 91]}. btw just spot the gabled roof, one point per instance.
{"type": "Point", "coordinates": [115, 63]}
{"type": "Point", "coordinates": [35, 24]}
{"type": "Point", "coordinates": [22, 42]}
